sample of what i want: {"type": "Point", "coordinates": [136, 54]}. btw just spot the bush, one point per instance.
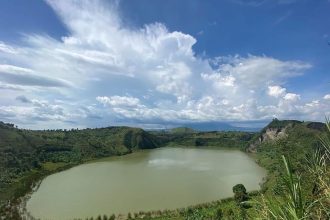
{"type": "Point", "coordinates": [240, 194]}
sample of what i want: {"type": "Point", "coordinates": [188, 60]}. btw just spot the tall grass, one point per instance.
{"type": "Point", "coordinates": [293, 204]}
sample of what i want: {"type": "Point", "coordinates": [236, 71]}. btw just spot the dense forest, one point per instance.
{"type": "Point", "coordinates": [26, 156]}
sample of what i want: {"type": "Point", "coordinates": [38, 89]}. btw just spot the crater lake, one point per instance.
{"type": "Point", "coordinates": [158, 179]}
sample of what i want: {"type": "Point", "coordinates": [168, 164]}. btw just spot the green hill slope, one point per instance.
{"type": "Point", "coordinates": [294, 139]}
{"type": "Point", "coordinates": [227, 139]}
{"type": "Point", "coordinates": [24, 152]}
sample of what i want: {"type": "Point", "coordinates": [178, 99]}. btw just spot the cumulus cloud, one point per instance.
{"type": "Point", "coordinates": [276, 91]}
{"type": "Point", "coordinates": [104, 69]}
{"type": "Point", "coordinates": [327, 97]}
{"type": "Point", "coordinates": [254, 71]}
{"type": "Point", "coordinates": [291, 97]}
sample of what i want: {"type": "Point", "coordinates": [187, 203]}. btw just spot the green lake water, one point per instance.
{"type": "Point", "coordinates": [165, 178]}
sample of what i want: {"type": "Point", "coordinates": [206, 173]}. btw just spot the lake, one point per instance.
{"type": "Point", "coordinates": [164, 178]}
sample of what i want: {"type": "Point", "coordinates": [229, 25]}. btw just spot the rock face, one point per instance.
{"type": "Point", "coordinates": [269, 134]}
{"type": "Point", "coordinates": [275, 130]}
{"type": "Point", "coordinates": [274, 134]}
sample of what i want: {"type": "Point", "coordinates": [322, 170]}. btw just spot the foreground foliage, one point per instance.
{"type": "Point", "coordinates": [294, 204]}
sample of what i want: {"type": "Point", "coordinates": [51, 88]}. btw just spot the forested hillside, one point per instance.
{"type": "Point", "coordinates": [189, 137]}
{"type": "Point", "coordinates": [26, 153]}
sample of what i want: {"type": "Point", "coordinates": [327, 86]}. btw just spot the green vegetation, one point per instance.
{"type": "Point", "coordinates": [275, 123]}
{"type": "Point", "coordinates": [189, 137]}
{"type": "Point", "coordinates": [292, 205]}
{"type": "Point", "coordinates": [296, 155]}
{"type": "Point", "coordinates": [298, 201]}
{"type": "Point", "coordinates": [240, 194]}
{"type": "Point", "coordinates": [27, 156]}
{"type": "Point", "coordinates": [300, 141]}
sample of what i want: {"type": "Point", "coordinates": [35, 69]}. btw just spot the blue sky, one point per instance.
{"type": "Point", "coordinates": [159, 64]}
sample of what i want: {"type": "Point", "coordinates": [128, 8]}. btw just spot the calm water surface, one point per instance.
{"type": "Point", "coordinates": [165, 178]}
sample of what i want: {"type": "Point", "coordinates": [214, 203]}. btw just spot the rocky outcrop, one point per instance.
{"type": "Point", "coordinates": [274, 134]}
{"type": "Point", "coordinates": [269, 134]}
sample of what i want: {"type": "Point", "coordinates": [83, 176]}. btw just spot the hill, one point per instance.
{"type": "Point", "coordinates": [219, 126]}
{"type": "Point", "coordinates": [26, 152]}
{"type": "Point", "coordinates": [296, 140]}
{"type": "Point", "coordinates": [227, 139]}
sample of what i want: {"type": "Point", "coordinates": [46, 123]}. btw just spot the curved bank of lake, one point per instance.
{"type": "Point", "coordinates": [164, 178]}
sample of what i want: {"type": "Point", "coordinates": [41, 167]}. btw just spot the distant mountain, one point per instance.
{"type": "Point", "coordinates": [218, 126]}
{"type": "Point", "coordinates": [182, 130]}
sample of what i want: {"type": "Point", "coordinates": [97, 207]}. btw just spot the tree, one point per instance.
{"type": "Point", "coordinates": [240, 194]}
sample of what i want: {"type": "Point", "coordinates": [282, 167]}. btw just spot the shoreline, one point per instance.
{"type": "Point", "coordinates": [23, 200]}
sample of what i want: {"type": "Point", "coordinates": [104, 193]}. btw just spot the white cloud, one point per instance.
{"type": "Point", "coordinates": [6, 48]}
{"type": "Point", "coordinates": [276, 91]}
{"type": "Point", "coordinates": [14, 69]}
{"type": "Point", "coordinates": [219, 80]}
{"type": "Point", "coordinates": [327, 97]}
{"type": "Point", "coordinates": [291, 97]}
{"type": "Point", "coordinates": [22, 76]}
{"type": "Point", "coordinates": [147, 74]}
{"type": "Point", "coordinates": [254, 71]}
{"type": "Point", "coordinates": [123, 101]}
